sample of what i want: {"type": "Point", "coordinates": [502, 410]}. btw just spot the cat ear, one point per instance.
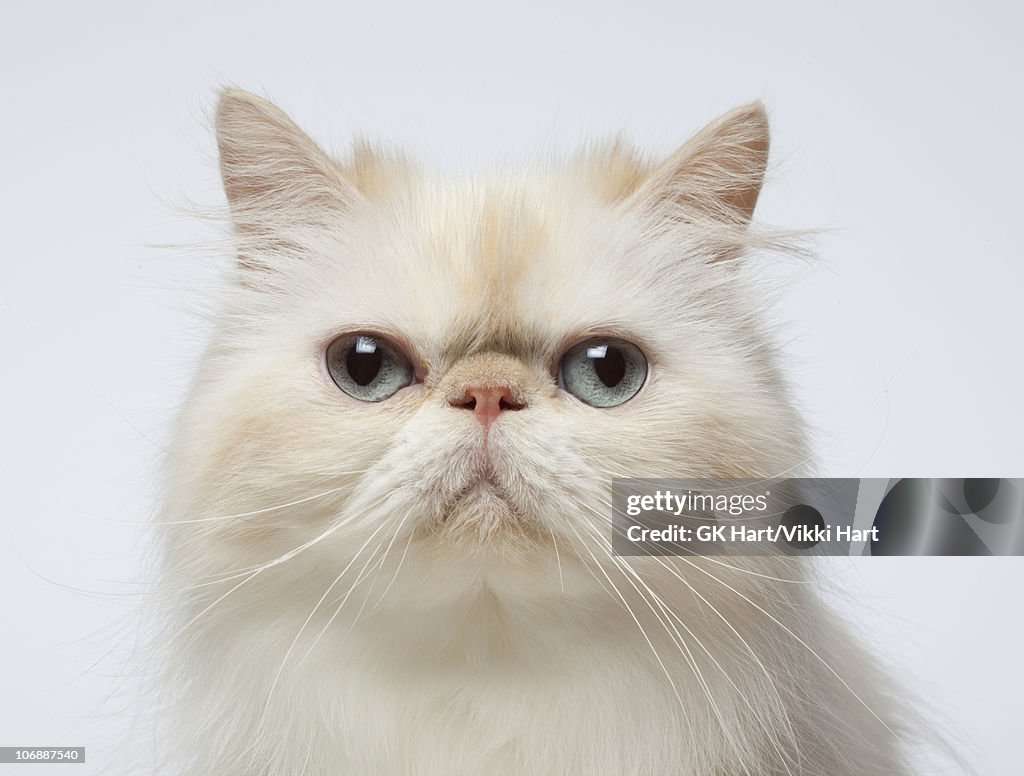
{"type": "Point", "coordinates": [716, 175]}
{"type": "Point", "coordinates": [274, 175]}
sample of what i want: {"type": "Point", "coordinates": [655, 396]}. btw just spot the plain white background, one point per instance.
{"type": "Point", "coordinates": [897, 127]}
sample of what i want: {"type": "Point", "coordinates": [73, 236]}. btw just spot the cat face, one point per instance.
{"type": "Point", "coordinates": [412, 362]}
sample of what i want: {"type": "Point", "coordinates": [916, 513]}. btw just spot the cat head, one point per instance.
{"type": "Point", "coordinates": [459, 367]}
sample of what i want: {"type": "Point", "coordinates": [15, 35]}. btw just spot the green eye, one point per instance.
{"type": "Point", "coordinates": [603, 372]}
{"type": "Point", "coordinates": [368, 367]}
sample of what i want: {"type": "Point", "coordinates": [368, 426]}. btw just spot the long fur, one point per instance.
{"type": "Point", "coordinates": [344, 600]}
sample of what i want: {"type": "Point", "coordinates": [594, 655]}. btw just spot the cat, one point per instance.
{"type": "Point", "coordinates": [386, 523]}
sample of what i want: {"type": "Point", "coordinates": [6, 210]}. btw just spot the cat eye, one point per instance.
{"type": "Point", "coordinates": [368, 367]}
{"type": "Point", "coordinates": [603, 372]}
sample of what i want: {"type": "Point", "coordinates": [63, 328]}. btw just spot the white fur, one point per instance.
{"type": "Point", "coordinates": [336, 611]}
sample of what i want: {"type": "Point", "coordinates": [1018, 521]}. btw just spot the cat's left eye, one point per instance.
{"type": "Point", "coordinates": [603, 372]}
{"type": "Point", "coordinates": [368, 367]}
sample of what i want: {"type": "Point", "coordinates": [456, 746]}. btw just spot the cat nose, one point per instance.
{"type": "Point", "coordinates": [488, 401]}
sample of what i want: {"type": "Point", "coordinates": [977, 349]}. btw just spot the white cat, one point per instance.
{"type": "Point", "coordinates": [387, 505]}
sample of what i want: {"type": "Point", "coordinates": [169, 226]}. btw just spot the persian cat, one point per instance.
{"type": "Point", "coordinates": [386, 529]}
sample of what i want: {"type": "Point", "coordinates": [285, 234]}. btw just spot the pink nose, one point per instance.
{"type": "Point", "coordinates": [487, 402]}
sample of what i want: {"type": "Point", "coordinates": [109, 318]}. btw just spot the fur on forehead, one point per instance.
{"type": "Point", "coordinates": [518, 257]}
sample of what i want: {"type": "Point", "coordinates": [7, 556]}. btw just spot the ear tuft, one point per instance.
{"type": "Point", "coordinates": [615, 169]}
{"type": "Point", "coordinates": [715, 175]}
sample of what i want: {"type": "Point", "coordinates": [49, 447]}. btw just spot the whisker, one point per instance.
{"type": "Point", "coordinates": [312, 613]}
{"type": "Point", "coordinates": [238, 515]}
{"type": "Point", "coordinates": [337, 525]}
{"type": "Point", "coordinates": [668, 567]}
{"type": "Point", "coordinates": [323, 597]}
{"type": "Point", "coordinates": [236, 573]}
{"type": "Point", "coordinates": [643, 632]}
{"type": "Point", "coordinates": [340, 606]}
{"type": "Point", "coordinates": [379, 566]}
{"type": "Point", "coordinates": [558, 559]}
{"type": "Point", "coordinates": [673, 615]}
{"type": "Point", "coordinates": [401, 562]}
{"type": "Point", "coordinates": [803, 643]}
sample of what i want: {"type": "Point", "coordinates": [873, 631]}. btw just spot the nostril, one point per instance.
{"type": "Point", "coordinates": [466, 402]}
{"type": "Point", "coordinates": [507, 404]}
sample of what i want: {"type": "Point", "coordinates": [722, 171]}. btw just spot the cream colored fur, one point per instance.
{"type": "Point", "coordinates": [347, 600]}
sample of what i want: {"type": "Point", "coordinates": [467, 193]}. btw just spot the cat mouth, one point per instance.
{"type": "Point", "coordinates": [482, 504]}
{"type": "Point", "coordinates": [485, 484]}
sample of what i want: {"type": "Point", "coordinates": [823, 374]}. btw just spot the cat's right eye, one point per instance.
{"type": "Point", "coordinates": [368, 367]}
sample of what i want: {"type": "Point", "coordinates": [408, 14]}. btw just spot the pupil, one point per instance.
{"type": "Point", "coordinates": [612, 368]}
{"type": "Point", "coordinates": [363, 368]}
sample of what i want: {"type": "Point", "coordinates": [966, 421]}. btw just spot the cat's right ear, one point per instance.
{"type": "Point", "coordinates": [275, 177]}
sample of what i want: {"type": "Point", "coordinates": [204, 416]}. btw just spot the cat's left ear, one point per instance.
{"type": "Point", "coordinates": [716, 175]}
